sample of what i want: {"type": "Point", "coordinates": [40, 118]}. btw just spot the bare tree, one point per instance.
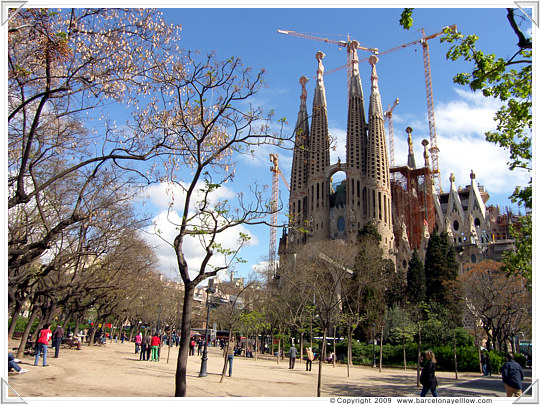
{"type": "Point", "coordinates": [198, 111]}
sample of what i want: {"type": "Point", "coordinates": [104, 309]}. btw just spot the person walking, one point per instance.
{"type": "Point", "coordinates": [57, 339]}
{"type": "Point", "coordinates": [512, 376]}
{"type": "Point", "coordinates": [138, 341]}
{"type": "Point", "coordinates": [483, 363]}
{"type": "Point", "coordinates": [145, 344]}
{"type": "Point", "coordinates": [427, 376]}
{"type": "Point", "coordinates": [43, 339]}
{"type": "Point", "coordinates": [309, 358]}
{"type": "Point", "coordinates": [488, 365]}
{"type": "Point", "coordinates": [155, 342]}
{"type": "Point", "coordinates": [191, 347]}
{"type": "Point", "coordinates": [292, 356]}
{"type": "Point", "coordinates": [122, 337]}
{"type": "Point", "coordinates": [230, 355]}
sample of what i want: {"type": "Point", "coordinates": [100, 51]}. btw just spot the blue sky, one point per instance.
{"type": "Point", "coordinates": [461, 117]}
{"type": "Point", "coordinates": [250, 33]}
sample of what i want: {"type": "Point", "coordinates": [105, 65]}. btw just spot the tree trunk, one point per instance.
{"type": "Point", "coordinates": [418, 360]}
{"type": "Point", "coordinates": [169, 344]}
{"type": "Point", "coordinates": [321, 360]}
{"type": "Point", "coordinates": [278, 349]}
{"type": "Point", "coordinates": [24, 338]}
{"type": "Point", "coordinates": [349, 350]}
{"type": "Point", "coordinates": [181, 366]}
{"type": "Point", "coordinates": [404, 353]}
{"type": "Point", "coordinates": [14, 317]}
{"type": "Point", "coordinates": [256, 344]}
{"type": "Point", "coordinates": [381, 350]}
{"type": "Point", "coordinates": [301, 347]}
{"type": "Point", "coordinates": [455, 353]}
{"type": "Point", "coordinates": [334, 358]}
{"type": "Point", "coordinates": [226, 355]}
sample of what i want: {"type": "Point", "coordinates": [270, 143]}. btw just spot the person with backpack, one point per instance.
{"type": "Point", "coordinates": [43, 339]}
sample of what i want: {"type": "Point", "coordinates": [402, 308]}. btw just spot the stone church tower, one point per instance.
{"type": "Point", "coordinates": [317, 211]}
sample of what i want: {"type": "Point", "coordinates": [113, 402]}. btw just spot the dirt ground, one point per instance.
{"type": "Point", "coordinates": [114, 370]}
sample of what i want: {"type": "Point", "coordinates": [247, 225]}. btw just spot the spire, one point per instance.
{"type": "Point", "coordinates": [375, 105]}
{"type": "Point", "coordinates": [320, 95]}
{"type": "Point", "coordinates": [301, 144]}
{"type": "Point", "coordinates": [425, 144]}
{"type": "Point", "coordinates": [410, 159]}
{"type": "Point", "coordinates": [356, 124]}
{"type": "Point", "coordinates": [355, 86]}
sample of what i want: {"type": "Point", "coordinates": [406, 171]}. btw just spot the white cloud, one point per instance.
{"type": "Point", "coordinates": [461, 124]}
{"type": "Point", "coordinates": [165, 224]}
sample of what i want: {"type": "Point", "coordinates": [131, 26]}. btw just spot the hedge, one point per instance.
{"type": "Point", "coordinates": [467, 356]}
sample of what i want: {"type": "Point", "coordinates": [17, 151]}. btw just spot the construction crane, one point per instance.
{"type": "Point", "coordinates": [349, 45]}
{"type": "Point", "coordinates": [388, 116]}
{"type": "Point", "coordinates": [276, 172]}
{"type": "Point", "coordinates": [341, 44]}
{"type": "Point", "coordinates": [434, 150]}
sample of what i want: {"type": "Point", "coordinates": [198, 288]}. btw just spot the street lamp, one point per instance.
{"type": "Point", "coordinates": [209, 290]}
{"type": "Point", "coordinates": [373, 325]}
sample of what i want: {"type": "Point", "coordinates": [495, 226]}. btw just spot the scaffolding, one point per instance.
{"type": "Point", "coordinates": [412, 202]}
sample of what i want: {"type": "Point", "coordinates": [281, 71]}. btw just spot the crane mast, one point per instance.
{"type": "Point", "coordinates": [276, 172]}
{"type": "Point", "coordinates": [434, 150]}
{"type": "Point", "coordinates": [388, 116]}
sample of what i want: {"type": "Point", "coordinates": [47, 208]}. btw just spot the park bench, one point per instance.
{"type": "Point", "coordinates": [72, 343]}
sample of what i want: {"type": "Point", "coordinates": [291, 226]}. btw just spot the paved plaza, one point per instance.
{"type": "Point", "coordinates": [114, 370]}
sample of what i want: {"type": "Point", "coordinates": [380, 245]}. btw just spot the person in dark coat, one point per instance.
{"type": "Point", "coordinates": [427, 376]}
{"type": "Point", "coordinates": [512, 375]}
{"type": "Point", "coordinates": [488, 365]}
{"type": "Point", "coordinates": [57, 336]}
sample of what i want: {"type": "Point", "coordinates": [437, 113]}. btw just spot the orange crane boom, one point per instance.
{"type": "Point", "coordinates": [341, 44]}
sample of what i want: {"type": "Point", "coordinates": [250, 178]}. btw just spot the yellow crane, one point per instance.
{"type": "Point", "coordinates": [388, 116]}
{"type": "Point", "coordinates": [276, 172]}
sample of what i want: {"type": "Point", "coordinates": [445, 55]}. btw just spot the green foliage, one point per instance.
{"type": "Point", "coordinates": [519, 261]}
{"type": "Point", "coordinates": [520, 359]}
{"type": "Point", "coordinates": [467, 358]}
{"type": "Point", "coordinates": [370, 231]}
{"type": "Point", "coordinates": [441, 270]}
{"type": "Point", "coordinates": [508, 79]}
{"type": "Point", "coordinates": [416, 280]}
{"type": "Point", "coordinates": [497, 360]}
{"type": "Point", "coordinates": [406, 20]}
{"type": "Point", "coordinates": [22, 322]}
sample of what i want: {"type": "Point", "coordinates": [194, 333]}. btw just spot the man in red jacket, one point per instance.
{"type": "Point", "coordinates": [43, 339]}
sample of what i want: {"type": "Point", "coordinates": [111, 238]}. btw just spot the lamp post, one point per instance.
{"type": "Point", "coordinates": [374, 360]}
{"type": "Point", "coordinates": [209, 290]}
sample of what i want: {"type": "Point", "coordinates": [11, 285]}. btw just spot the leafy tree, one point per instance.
{"type": "Point", "coordinates": [441, 269]}
{"type": "Point", "coordinates": [416, 280]}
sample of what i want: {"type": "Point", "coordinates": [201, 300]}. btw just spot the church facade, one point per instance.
{"type": "Point", "coordinates": [401, 202]}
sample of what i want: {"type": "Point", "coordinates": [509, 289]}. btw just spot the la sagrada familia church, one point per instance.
{"type": "Point", "coordinates": [401, 201]}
